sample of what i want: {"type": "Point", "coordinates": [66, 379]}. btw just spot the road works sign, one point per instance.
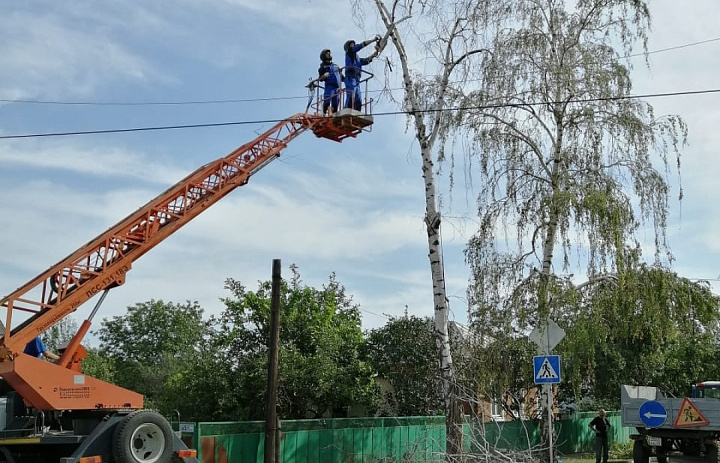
{"type": "Point", "coordinates": [689, 415]}
{"type": "Point", "coordinates": [653, 414]}
{"type": "Point", "coordinates": [547, 369]}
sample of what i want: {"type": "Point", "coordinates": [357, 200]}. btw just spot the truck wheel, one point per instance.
{"type": "Point", "coordinates": [711, 454]}
{"type": "Point", "coordinates": [640, 452]}
{"type": "Point", "coordinates": [690, 448]}
{"type": "Point", "coordinates": [144, 436]}
{"type": "Point", "coordinates": [5, 456]}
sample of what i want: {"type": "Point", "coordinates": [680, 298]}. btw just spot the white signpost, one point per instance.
{"type": "Point", "coordinates": [547, 335]}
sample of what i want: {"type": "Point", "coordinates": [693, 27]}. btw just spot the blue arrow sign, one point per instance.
{"type": "Point", "coordinates": [547, 369]}
{"type": "Point", "coordinates": [653, 414]}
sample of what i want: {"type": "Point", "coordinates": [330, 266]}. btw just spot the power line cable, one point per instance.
{"type": "Point", "coordinates": [138, 129]}
{"type": "Point", "coordinates": [388, 113]}
{"type": "Point", "coordinates": [675, 47]}
{"type": "Point", "coordinates": [282, 98]}
{"type": "Point", "coordinates": [155, 103]}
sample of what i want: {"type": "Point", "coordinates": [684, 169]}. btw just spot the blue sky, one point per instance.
{"type": "Point", "coordinates": [354, 208]}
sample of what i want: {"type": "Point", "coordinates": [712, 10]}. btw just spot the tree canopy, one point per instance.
{"type": "Point", "coordinates": [648, 326]}
{"type": "Point", "coordinates": [570, 163]}
{"type": "Point", "coordinates": [150, 348]}
{"type": "Point", "coordinates": [403, 352]}
{"type": "Point", "coordinates": [216, 368]}
{"type": "Point", "coordinates": [321, 372]}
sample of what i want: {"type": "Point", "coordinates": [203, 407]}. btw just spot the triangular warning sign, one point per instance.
{"type": "Point", "coordinates": [689, 415]}
{"type": "Point", "coordinates": [546, 371]}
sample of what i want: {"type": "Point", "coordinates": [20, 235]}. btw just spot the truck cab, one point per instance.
{"type": "Point", "coordinates": [706, 389]}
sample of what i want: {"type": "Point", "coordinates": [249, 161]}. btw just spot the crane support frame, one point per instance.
{"type": "Point", "coordinates": [95, 407]}
{"type": "Point", "coordinates": [104, 261]}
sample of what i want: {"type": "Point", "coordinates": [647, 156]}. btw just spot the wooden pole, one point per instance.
{"type": "Point", "coordinates": [271, 421]}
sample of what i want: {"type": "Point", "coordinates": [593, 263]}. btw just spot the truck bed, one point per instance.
{"type": "Point", "coordinates": [710, 408]}
{"type": "Point", "coordinates": [633, 397]}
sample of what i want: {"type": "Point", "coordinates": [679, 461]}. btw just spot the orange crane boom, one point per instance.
{"type": "Point", "coordinates": [103, 263]}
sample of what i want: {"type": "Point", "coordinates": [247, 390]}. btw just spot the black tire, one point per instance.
{"type": "Point", "coordinates": [640, 452]}
{"type": "Point", "coordinates": [144, 436]}
{"type": "Point", "coordinates": [5, 456]}
{"type": "Point", "coordinates": [711, 454]}
{"type": "Point", "coordinates": [661, 452]}
{"type": "Point", "coordinates": [690, 448]}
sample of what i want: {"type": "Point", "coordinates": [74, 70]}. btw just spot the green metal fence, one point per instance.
{"type": "Point", "coordinates": [351, 440]}
{"type": "Point", "coordinates": [384, 440]}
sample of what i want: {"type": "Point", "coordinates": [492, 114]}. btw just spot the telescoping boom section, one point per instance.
{"type": "Point", "coordinates": [104, 262]}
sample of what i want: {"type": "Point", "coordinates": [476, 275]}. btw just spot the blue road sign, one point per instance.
{"type": "Point", "coordinates": [547, 369]}
{"type": "Point", "coordinates": [652, 413]}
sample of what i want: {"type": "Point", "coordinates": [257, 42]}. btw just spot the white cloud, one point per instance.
{"type": "Point", "coordinates": [91, 160]}
{"type": "Point", "coordinates": [355, 208]}
{"type": "Point", "coordinates": [44, 54]}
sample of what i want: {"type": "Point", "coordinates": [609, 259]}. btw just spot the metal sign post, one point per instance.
{"type": "Point", "coordinates": [548, 391]}
{"type": "Point", "coordinates": [547, 367]}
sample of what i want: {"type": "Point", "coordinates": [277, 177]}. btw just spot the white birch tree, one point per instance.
{"type": "Point", "coordinates": [444, 35]}
{"type": "Point", "coordinates": [570, 164]}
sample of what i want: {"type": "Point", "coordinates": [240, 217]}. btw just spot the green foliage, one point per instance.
{"type": "Point", "coordinates": [216, 369]}
{"type": "Point", "coordinates": [99, 366]}
{"type": "Point", "coordinates": [501, 369]}
{"type": "Point", "coordinates": [148, 348]}
{"type": "Point", "coordinates": [153, 327]}
{"type": "Point", "coordinates": [321, 372]}
{"type": "Point", "coordinates": [647, 327]}
{"type": "Point", "coordinates": [569, 171]}
{"type": "Point", "coordinates": [621, 451]}
{"type": "Point", "coordinates": [569, 168]}
{"type": "Point", "coordinates": [404, 353]}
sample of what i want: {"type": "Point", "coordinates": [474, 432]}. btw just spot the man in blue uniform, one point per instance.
{"type": "Point", "coordinates": [37, 348]}
{"type": "Point", "coordinates": [329, 73]}
{"type": "Point", "coordinates": [353, 70]}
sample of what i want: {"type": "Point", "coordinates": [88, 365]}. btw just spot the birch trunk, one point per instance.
{"type": "Point", "coordinates": [557, 175]}
{"type": "Point", "coordinates": [433, 220]}
{"type": "Point", "coordinates": [426, 135]}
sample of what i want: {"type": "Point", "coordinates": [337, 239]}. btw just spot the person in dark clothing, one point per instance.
{"type": "Point", "coordinates": [37, 348]}
{"type": "Point", "coordinates": [353, 70]}
{"type": "Point", "coordinates": [601, 426]}
{"type": "Point", "coordinates": [329, 73]}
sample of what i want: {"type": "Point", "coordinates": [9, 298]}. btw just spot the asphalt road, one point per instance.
{"type": "Point", "coordinates": [680, 459]}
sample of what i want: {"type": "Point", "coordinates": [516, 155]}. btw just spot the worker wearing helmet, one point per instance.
{"type": "Point", "coordinates": [329, 73]}
{"type": "Point", "coordinates": [353, 70]}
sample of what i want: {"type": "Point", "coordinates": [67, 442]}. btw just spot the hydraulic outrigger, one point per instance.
{"type": "Point", "coordinates": [101, 422]}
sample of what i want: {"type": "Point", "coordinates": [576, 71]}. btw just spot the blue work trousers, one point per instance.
{"type": "Point", "coordinates": [354, 97]}
{"type": "Point", "coordinates": [331, 97]}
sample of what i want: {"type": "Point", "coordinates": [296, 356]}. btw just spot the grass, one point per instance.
{"type": "Point", "coordinates": [587, 459]}
{"type": "Point", "coordinates": [618, 453]}
{"type": "Point", "coordinates": [590, 458]}
{"type": "Point", "coordinates": [578, 458]}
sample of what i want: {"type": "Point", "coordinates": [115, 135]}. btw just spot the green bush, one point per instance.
{"type": "Point", "coordinates": [621, 450]}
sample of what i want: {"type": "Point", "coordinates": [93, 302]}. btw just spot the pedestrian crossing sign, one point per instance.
{"type": "Point", "coordinates": [547, 369]}
{"type": "Point", "coordinates": [689, 415]}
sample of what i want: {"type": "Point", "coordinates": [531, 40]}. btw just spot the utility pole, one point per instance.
{"type": "Point", "coordinates": [272, 426]}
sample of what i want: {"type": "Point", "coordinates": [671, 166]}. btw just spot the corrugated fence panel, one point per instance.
{"type": "Point", "coordinates": [575, 436]}
{"type": "Point", "coordinates": [404, 439]}
{"type": "Point", "coordinates": [230, 442]}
